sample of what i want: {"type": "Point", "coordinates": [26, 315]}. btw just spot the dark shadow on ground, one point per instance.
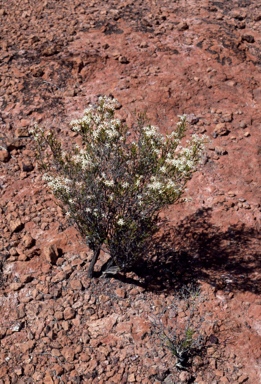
{"type": "Point", "coordinates": [198, 250]}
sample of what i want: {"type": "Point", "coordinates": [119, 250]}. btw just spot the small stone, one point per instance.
{"type": "Point", "coordinates": [48, 378]}
{"type": "Point", "coordinates": [75, 284]}
{"type": "Point", "coordinates": [248, 38]}
{"type": "Point", "coordinates": [242, 379]}
{"type": "Point", "coordinates": [224, 380]}
{"type": "Point", "coordinates": [115, 54]}
{"type": "Point", "coordinates": [15, 286]}
{"type": "Point", "coordinates": [213, 339]}
{"type": "Point", "coordinates": [131, 378]}
{"type": "Point", "coordinates": [219, 373]}
{"type": "Point", "coordinates": [28, 241]}
{"type": "Point", "coordinates": [68, 313]}
{"type": "Point", "coordinates": [55, 352]}
{"type": "Point", "coordinates": [58, 369]}
{"type": "Point", "coordinates": [27, 166]}
{"type": "Point", "coordinates": [120, 292]}
{"type": "Point", "coordinates": [58, 315]}
{"type": "Point", "coordinates": [123, 60]}
{"type": "Point", "coordinates": [84, 357]}
{"type": "Point", "coordinates": [16, 225]}
{"type": "Point", "coordinates": [247, 134]}
{"type": "Point", "coordinates": [3, 371]}
{"type": "Point", "coordinates": [140, 329]}
{"type": "Point", "coordinates": [22, 131]}
{"type": "Point", "coordinates": [220, 151]}
{"type": "Point", "coordinates": [192, 119]}
{"type": "Point", "coordinates": [50, 253]}
{"type": "Point", "coordinates": [68, 353]}
{"type": "Point", "coordinates": [183, 26]}
{"type": "Point", "coordinates": [227, 117]}
{"type": "Point", "coordinates": [184, 377]}
{"type": "Point", "coordinates": [26, 279]}
{"type": "Point", "coordinates": [242, 124]}
{"type": "Point", "coordinates": [18, 371]}
{"type": "Point", "coordinates": [4, 155]}
{"type": "Point", "coordinates": [60, 276]}
{"type": "Point", "coordinates": [144, 44]}
{"type": "Point", "coordinates": [220, 130]}
{"type": "Point", "coordinates": [27, 346]}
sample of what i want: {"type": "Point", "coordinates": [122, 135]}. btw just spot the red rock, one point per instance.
{"type": "Point", "coordinates": [68, 313]}
{"type": "Point", "coordinates": [27, 346]}
{"type": "Point", "coordinates": [242, 379]}
{"type": "Point", "coordinates": [3, 371]}
{"type": "Point", "coordinates": [124, 327]}
{"type": "Point", "coordinates": [140, 328]}
{"type": "Point", "coordinates": [75, 284]}
{"type": "Point", "coordinates": [4, 155]}
{"type": "Point", "coordinates": [60, 276]}
{"type": "Point", "coordinates": [58, 369]}
{"type": "Point", "coordinates": [68, 353]}
{"type": "Point", "coordinates": [102, 325]}
{"type": "Point", "coordinates": [84, 357]}
{"type": "Point", "coordinates": [50, 253]}
{"type": "Point", "coordinates": [16, 225]}
{"type": "Point", "coordinates": [221, 129]}
{"type": "Point", "coordinates": [183, 26]}
{"type": "Point", "coordinates": [120, 292]}
{"type": "Point", "coordinates": [15, 286]}
{"type": "Point", "coordinates": [131, 378]}
{"type": "Point", "coordinates": [48, 378]}
{"type": "Point", "coordinates": [184, 377]}
{"type": "Point", "coordinates": [22, 131]}
{"type": "Point", "coordinates": [28, 241]}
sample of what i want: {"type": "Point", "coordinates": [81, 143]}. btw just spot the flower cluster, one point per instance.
{"type": "Point", "coordinates": [114, 185]}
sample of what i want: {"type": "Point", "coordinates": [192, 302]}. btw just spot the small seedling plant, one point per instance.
{"type": "Point", "coordinates": [114, 185]}
{"type": "Point", "coordinates": [187, 340]}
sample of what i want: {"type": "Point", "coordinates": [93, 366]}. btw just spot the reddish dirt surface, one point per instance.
{"type": "Point", "coordinates": [169, 58]}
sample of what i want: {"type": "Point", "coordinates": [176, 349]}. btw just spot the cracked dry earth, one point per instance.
{"type": "Point", "coordinates": [168, 58]}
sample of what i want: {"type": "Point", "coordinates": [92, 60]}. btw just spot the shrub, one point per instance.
{"type": "Point", "coordinates": [114, 185]}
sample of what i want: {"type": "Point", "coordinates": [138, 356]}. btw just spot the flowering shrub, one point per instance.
{"type": "Point", "coordinates": [114, 185]}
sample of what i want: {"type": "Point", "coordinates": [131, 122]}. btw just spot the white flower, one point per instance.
{"type": "Point", "coordinates": [88, 210]}
{"type": "Point", "coordinates": [170, 184]}
{"type": "Point", "coordinates": [120, 222]}
{"type": "Point", "coordinates": [112, 133]}
{"type": "Point", "coordinates": [111, 197]}
{"type": "Point", "coordinates": [150, 131]}
{"type": "Point", "coordinates": [95, 134]}
{"type": "Point", "coordinates": [88, 110]}
{"type": "Point", "coordinates": [157, 151]}
{"type": "Point", "coordinates": [155, 186]}
{"type": "Point", "coordinates": [109, 183]}
{"type": "Point", "coordinates": [182, 117]}
{"type": "Point", "coordinates": [163, 169]}
{"type": "Point", "coordinates": [125, 185]}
